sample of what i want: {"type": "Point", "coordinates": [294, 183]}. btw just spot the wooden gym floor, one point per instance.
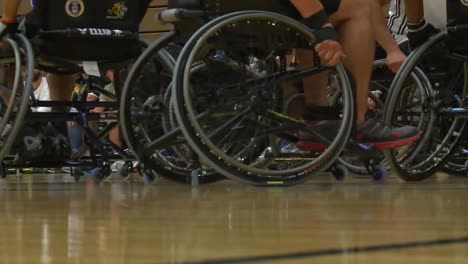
{"type": "Point", "coordinates": [50, 219]}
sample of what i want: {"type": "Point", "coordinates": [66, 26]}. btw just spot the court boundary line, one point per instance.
{"type": "Point", "coordinates": [335, 252]}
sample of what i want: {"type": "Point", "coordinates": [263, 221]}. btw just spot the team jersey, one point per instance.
{"type": "Point", "coordinates": [434, 12]}
{"type": "Point", "coordinates": [397, 21]}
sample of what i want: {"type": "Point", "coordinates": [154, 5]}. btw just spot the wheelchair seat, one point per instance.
{"type": "Point", "coordinates": [86, 29]}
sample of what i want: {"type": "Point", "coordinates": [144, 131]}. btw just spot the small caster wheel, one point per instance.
{"type": "Point", "coordinates": [194, 177]}
{"type": "Point", "coordinates": [97, 174]}
{"type": "Point", "coordinates": [76, 173]}
{"type": "Point", "coordinates": [465, 169]}
{"type": "Point", "coordinates": [123, 171]}
{"type": "Point", "coordinates": [380, 173]}
{"type": "Point", "coordinates": [148, 177]}
{"type": "Point", "coordinates": [147, 174]}
{"type": "Point", "coordinates": [339, 172]}
{"type": "Point", "coordinates": [3, 171]}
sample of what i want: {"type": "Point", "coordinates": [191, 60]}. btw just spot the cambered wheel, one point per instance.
{"type": "Point", "coordinates": [14, 109]}
{"type": "Point", "coordinates": [228, 84]}
{"type": "Point", "coordinates": [440, 133]}
{"type": "Point", "coordinates": [146, 114]}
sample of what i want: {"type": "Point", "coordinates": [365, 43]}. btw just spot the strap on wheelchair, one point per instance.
{"type": "Point", "coordinates": [92, 33]}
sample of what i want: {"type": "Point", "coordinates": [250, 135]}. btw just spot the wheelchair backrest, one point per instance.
{"type": "Point", "coordinates": [98, 28]}
{"type": "Point", "coordinates": [457, 26]}
{"type": "Point", "coordinates": [114, 14]}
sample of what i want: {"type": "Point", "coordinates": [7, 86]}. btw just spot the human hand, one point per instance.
{"type": "Point", "coordinates": [395, 59]}
{"type": "Point", "coordinates": [330, 52]}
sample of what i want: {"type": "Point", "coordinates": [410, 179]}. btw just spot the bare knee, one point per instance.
{"type": "Point", "coordinates": [353, 9]}
{"type": "Point", "coordinates": [359, 7]}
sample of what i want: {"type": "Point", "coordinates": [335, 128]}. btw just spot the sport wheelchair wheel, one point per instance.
{"type": "Point", "coordinates": [442, 130]}
{"type": "Point", "coordinates": [227, 87]}
{"type": "Point", "coordinates": [146, 114]}
{"type": "Point", "coordinates": [15, 107]}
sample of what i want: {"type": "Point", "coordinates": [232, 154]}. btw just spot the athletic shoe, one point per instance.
{"type": "Point", "coordinates": [370, 132]}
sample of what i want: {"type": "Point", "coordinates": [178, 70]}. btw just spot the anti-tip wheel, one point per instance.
{"type": "Point", "coordinates": [97, 174]}
{"type": "Point", "coordinates": [148, 177]}
{"type": "Point", "coordinates": [339, 172]}
{"type": "Point", "coordinates": [380, 173]}
{"type": "Point", "coordinates": [123, 171]}
{"type": "Point", "coordinates": [76, 173]}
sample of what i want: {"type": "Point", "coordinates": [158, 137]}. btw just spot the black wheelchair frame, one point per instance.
{"type": "Point", "coordinates": [447, 111]}
{"type": "Point", "coordinates": [99, 148]}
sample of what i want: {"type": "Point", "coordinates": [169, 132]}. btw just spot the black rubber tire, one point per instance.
{"type": "Point", "coordinates": [159, 165]}
{"type": "Point", "coordinates": [437, 158]}
{"type": "Point", "coordinates": [219, 160]}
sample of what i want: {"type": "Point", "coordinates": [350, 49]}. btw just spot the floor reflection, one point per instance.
{"type": "Point", "coordinates": [53, 220]}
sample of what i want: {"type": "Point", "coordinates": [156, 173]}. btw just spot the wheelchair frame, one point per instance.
{"type": "Point", "coordinates": [436, 108]}
{"type": "Point", "coordinates": [82, 117]}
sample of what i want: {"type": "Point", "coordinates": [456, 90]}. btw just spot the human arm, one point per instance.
{"type": "Point", "coordinates": [395, 57]}
{"type": "Point", "coordinates": [328, 48]}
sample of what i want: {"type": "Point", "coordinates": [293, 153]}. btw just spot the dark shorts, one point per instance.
{"type": "Point", "coordinates": [330, 6]}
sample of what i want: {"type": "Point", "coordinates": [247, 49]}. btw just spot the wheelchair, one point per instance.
{"type": "Point", "coordinates": [444, 128]}
{"type": "Point", "coordinates": [227, 93]}
{"type": "Point", "coordinates": [64, 41]}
